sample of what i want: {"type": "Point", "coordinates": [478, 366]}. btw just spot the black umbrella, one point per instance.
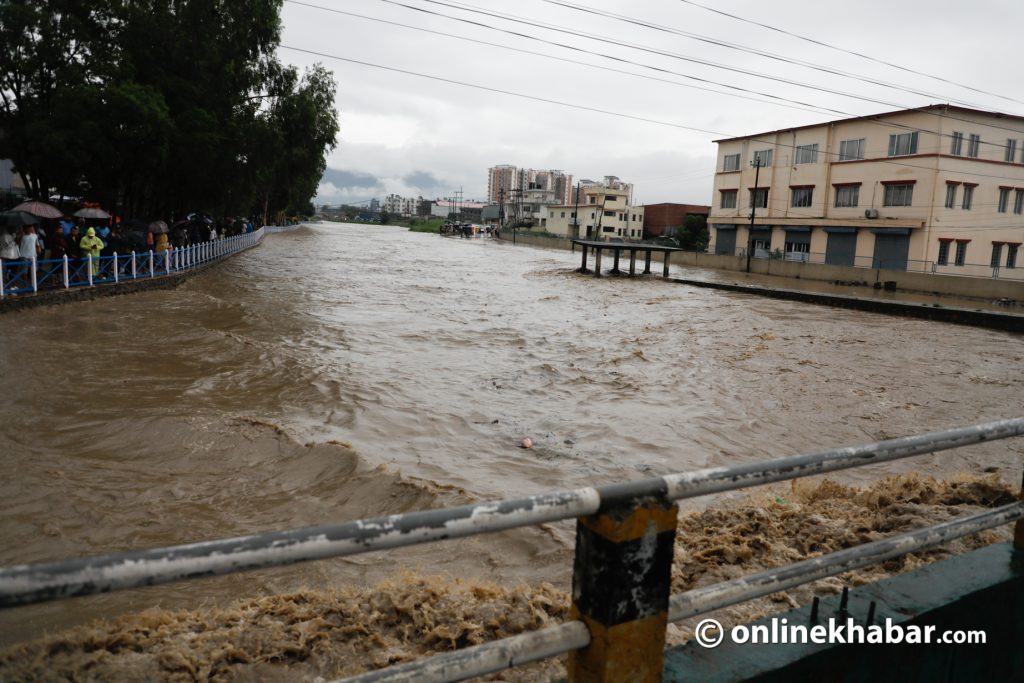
{"type": "Point", "coordinates": [17, 219]}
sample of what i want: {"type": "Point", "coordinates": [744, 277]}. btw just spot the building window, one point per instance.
{"type": "Point", "coordinates": [1011, 150]}
{"type": "Point", "coordinates": [563, 214]}
{"type": "Point", "coordinates": [806, 154]}
{"type": "Point", "coordinates": [899, 195]}
{"type": "Point", "coordinates": [997, 254]}
{"type": "Point", "coordinates": [1004, 199]}
{"type": "Point", "coordinates": [957, 148]}
{"type": "Point", "coordinates": [593, 200]}
{"type": "Point", "coordinates": [759, 198]}
{"type": "Point", "coordinates": [610, 198]}
{"type": "Point", "coordinates": [731, 162]}
{"type": "Point", "coordinates": [943, 253]}
{"type": "Point", "coordinates": [1018, 201]}
{"type": "Point", "coordinates": [729, 199]}
{"type": "Point", "coordinates": [902, 144]}
{"type": "Point", "coordinates": [961, 252]}
{"type": "Point", "coordinates": [968, 197]}
{"type": "Point", "coordinates": [851, 149]}
{"type": "Point", "coordinates": [973, 145]}
{"type": "Point", "coordinates": [950, 195]}
{"type": "Point", "coordinates": [763, 158]}
{"type": "Point", "coordinates": [1011, 256]}
{"type": "Point", "coordinates": [848, 195]}
{"type": "Point", "coordinates": [802, 196]}
{"type": "Point", "coordinates": [609, 213]}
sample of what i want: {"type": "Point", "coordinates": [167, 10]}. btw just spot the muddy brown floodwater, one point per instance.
{"type": "Point", "coordinates": [343, 371]}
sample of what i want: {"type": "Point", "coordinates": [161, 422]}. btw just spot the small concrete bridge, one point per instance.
{"type": "Point", "coordinates": [617, 248]}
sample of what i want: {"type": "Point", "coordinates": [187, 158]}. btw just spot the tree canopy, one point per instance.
{"type": "Point", "coordinates": [154, 107]}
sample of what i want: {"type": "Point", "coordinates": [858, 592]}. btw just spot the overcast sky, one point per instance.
{"type": "Point", "coordinates": [414, 135]}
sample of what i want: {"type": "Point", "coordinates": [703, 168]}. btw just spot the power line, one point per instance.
{"type": "Point", "coordinates": [607, 112]}
{"type": "Point", "coordinates": [780, 103]}
{"type": "Point", "coordinates": [755, 51]}
{"type": "Point", "coordinates": [508, 17]}
{"type": "Point", "coordinates": [849, 52]}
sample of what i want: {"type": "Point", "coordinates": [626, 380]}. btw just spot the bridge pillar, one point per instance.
{"type": "Point", "coordinates": [621, 585]}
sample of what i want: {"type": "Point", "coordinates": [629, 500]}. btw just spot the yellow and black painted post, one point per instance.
{"type": "Point", "coordinates": [621, 585]}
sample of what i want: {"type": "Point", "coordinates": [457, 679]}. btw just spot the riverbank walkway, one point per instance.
{"type": "Point", "coordinates": [31, 283]}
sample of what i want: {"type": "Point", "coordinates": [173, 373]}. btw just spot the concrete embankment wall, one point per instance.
{"type": "Point", "coordinates": [950, 285]}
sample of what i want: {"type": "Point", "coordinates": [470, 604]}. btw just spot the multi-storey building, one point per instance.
{"type": "Point", "coordinates": [935, 189]}
{"type": "Point", "coordinates": [523, 191]}
{"type": "Point", "coordinates": [501, 181]}
{"type": "Point", "coordinates": [604, 212]}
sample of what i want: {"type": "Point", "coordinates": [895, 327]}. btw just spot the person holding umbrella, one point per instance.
{"type": "Point", "coordinates": [91, 245]}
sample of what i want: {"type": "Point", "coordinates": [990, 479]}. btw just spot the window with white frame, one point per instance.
{"type": "Point", "coordinates": [759, 198]}
{"type": "Point", "coordinates": [902, 144]}
{"type": "Point", "coordinates": [951, 195]}
{"type": "Point", "coordinates": [1011, 150]}
{"type": "Point", "coordinates": [851, 149]}
{"type": "Point", "coordinates": [901, 194]}
{"type": "Point", "coordinates": [943, 258]}
{"type": "Point", "coordinates": [806, 154]}
{"type": "Point", "coordinates": [763, 158]}
{"type": "Point", "coordinates": [802, 196]}
{"type": "Point", "coordinates": [1004, 199]}
{"type": "Point", "coordinates": [974, 145]}
{"type": "Point", "coordinates": [961, 253]}
{"type": "Point", "coordinates": [731, 162]}
{"type": "Point", "coordinates": [847, 196]}
{"type": "Point", "coordinates": [968, 197]}
{"type": "Point", "coordinates": [729, 199]}
{"type": "Point", "coordinates": [957, 148]}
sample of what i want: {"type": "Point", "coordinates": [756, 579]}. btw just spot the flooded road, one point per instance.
{"type": "Point", "coordinates": [343, 371]}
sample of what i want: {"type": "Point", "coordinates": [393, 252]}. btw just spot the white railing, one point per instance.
{"type": "Point", "coordinates": [18, 277]}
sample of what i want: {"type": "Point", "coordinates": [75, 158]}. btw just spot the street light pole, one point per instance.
{"type": "Point", "coordinates": [756, 163]}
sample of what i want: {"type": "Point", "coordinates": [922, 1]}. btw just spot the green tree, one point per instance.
{"type": "Point", "coordinates": [162, 105]}
{"type": "Point", "coordinates": [693, 234]}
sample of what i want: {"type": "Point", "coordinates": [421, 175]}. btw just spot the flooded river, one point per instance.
{"type": "Point", "coordinates": [343, 371]}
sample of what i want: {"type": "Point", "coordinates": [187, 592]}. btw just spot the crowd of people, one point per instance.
{"type": "Point", "coordinates": [78, 241]}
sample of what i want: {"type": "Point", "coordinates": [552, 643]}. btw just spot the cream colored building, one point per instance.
{"type": "Point", "coordinates": [937, 189]}
{"type": "Point", "coordinates": [604, 211]}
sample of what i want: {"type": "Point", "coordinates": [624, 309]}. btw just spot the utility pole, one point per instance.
{"type": "Point", "coordinates": [576, 213]}
{"type": "Point", "coordinates": [501, 208]}
{"type": "Point", "coordinates": [756, 163]}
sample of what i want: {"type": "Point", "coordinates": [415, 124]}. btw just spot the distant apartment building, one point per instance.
{"type": "Point", "coordinates": [402, 206]}
{"type": "Point", "coordinates": [523, 191]}
{"type": "Point", "coordinates": [936, 189]}
{"type": "Point", "coordinates": [604, 212]}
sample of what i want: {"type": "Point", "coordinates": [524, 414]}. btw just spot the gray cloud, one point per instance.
{"type": "Point", "coordinates": [342, 179]}
{"type": "Point", "coordinates": [424, 181]}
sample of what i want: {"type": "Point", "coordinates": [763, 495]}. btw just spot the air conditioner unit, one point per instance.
{"type": "Point", "coordinates": [871, 213]}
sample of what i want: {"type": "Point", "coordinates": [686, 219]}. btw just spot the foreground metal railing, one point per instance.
{"type": "Point", "coordinates": [625, 534]}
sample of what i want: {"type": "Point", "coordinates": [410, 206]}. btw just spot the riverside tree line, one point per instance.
{"type": "Point", "coordinates": [153, 107]}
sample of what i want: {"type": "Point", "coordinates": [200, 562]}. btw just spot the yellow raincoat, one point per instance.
{"type": "Point", "coordinates": [91, 246]}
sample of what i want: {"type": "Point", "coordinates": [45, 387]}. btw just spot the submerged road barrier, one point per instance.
{"type": "Point", "coordinates": [624, 548]}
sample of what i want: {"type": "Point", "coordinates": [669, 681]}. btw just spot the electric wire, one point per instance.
{"type": "Point", "coordinates": [755, 51]}
{"type": "Point", "coordinates": [602, 111]}
{"type": "Point", "coordinates": [851, 52]}
{"type": "Point", "coordinates": [507, 17]}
